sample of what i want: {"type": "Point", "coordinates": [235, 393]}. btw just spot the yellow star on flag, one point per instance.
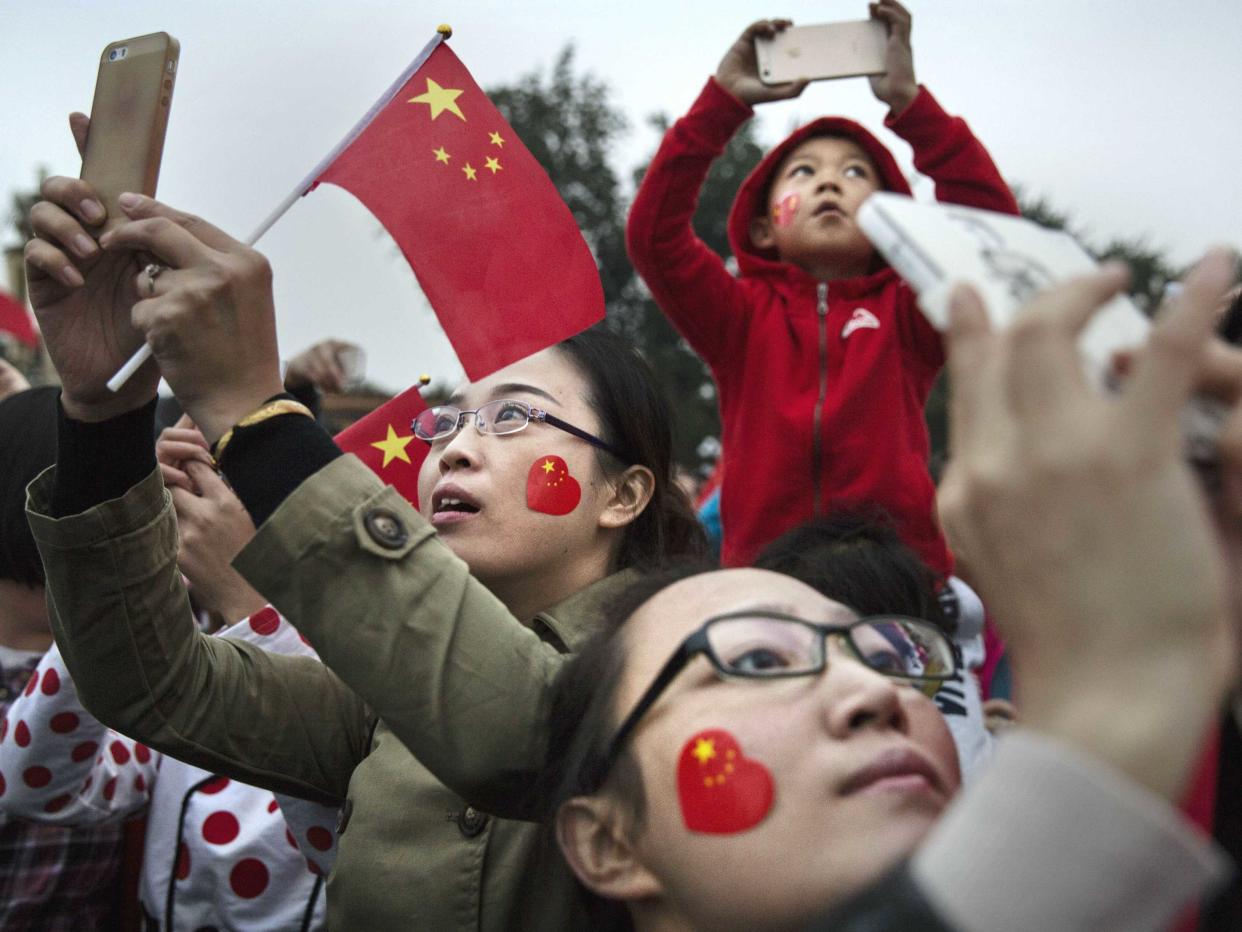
{"type": "Point", "coordinates": [493, 165]}
{"type": "Point", "coordinates": [704, 750]}
{"type": "Point", "coordinates": [470, 171]}
{"type": "Point", "coordinates": [393, 447]}
{"type": "Point", "coordinates": [439, 99]}
{"type": "Point", "coordinates": [548, 466]}
{"type": "Point", "coordinates": [441, 155]}
{"type": "Point", "coordinates": [496, 139]}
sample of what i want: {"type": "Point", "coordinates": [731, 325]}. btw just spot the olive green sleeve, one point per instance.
{"type": "Point", "coordinates": [400, 619]}
{"type": "Point", "coordinates": [121, 616]}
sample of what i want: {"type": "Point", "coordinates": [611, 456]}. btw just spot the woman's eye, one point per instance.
{"type": "Point", "coordinates": [444, 423]}
{"type": "Point", "coordinates": [510, 412]}
{"type": "Point", "coordinates": [759, 660]}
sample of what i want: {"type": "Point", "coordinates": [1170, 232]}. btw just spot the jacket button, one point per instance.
{"type": "Point", "coordinates": [342, 818]}
{"type": "Point", "coordinates": [471, 822]}
{"type": "Point", "coordinates": [386, 529]}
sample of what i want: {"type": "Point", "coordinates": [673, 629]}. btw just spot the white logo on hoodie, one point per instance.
{"type": "Point", "coordinates": [861, 319]}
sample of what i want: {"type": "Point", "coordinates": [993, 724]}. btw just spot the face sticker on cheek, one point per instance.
{"type": "Point", "coordinates": [550, 489]}
{"type": "Point", "coordinates": [721, 791]}
{"type": "Point", "coordinates": [785, 208]}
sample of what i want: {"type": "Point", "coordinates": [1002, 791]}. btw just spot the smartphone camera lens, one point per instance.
{"type": "Point", "coordinates": [118, 53]}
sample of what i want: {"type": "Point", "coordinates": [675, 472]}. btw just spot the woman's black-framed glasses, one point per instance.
{"type": "Point", "coordinates": [772, 645]}
{"type": "Point", "coordinates": [503, 416]}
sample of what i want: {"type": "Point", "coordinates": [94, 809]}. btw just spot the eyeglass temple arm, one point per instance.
{"type": "Point", "coordinates": [577, 432]}
{"type": "Point", "coordinates": [667, 673]}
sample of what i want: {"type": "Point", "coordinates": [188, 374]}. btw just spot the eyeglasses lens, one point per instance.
{"type": "Point", "coordinates": [765, 646]}
{"type": "Point", "coordinates": [502, 417]}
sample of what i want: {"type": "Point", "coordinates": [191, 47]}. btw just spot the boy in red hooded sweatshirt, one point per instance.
{"type": "Point", "coordinates": [822, 360]}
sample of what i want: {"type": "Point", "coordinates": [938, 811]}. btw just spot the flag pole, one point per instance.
{"type": "Point", "coordinates": [443, 32]}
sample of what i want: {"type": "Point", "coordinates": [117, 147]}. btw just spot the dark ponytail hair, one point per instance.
{"type": "Point", "coordinates": [635, 418]}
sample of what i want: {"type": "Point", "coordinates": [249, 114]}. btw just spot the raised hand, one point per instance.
{"type": "Point", "coordinates": [1083, 528]}
{"type": "Point", "coordinates": [208, 315]}
{"type": "Point", "coordinates": [82, 297]}
{"type": "Point", "coordinates": [738, 71]}
{"type": "Point", "coordinates": [897, 86]}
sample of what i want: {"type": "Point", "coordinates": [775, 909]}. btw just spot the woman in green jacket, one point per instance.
{"type": "Point", "coordinates": [547, 482]}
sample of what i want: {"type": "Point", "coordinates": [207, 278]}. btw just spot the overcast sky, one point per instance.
{"type": "Point", "coordinates": [1126, 115]}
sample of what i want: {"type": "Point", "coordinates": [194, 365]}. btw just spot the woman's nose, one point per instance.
{"type": "Point", "coordinates": [462, 449]}
{"type": "Point", "coordinates": [856, 698]}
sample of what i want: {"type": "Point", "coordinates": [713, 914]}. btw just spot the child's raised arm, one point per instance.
{"type": "Point", "coordinates": [738, 72]}
{"type": "Point", "coordinates": [897, 86]}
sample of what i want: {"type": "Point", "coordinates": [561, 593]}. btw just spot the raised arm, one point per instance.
{"type": "Point", "coordinates": [687, 279]}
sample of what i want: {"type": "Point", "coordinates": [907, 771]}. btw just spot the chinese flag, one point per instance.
{"type": "Point", "coordinates": [385, 441]}
{"type": "Point", "coordinates": [494, 247]}
{"type": "Point", "coordinates": [15, 320]}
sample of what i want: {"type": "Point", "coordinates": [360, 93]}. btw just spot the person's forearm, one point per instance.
{"type": "Point", "coordinates": [97, 461]}
{"type": "Point", "coordinates": [949, 153]}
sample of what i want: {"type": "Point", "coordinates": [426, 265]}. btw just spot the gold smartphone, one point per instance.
{"type": "Point", "coordinates": [827, 50]}
{"type": "Point", "coordinates": [133, 93]}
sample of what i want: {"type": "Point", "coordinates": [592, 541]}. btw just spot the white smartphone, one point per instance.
{"type": "Point", "coordinates": [823, 51]}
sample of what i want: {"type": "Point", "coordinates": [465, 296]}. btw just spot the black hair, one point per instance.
{"type": "Point", "coordinates": [855, 557]}
{"type": "Point", "coordinates": [27, 447]}
{"type": "Point", "coordinates": [635, 418]}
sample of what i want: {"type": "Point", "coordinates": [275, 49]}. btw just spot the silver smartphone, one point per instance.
{"type": "Point", "coordinates": [823, 51]}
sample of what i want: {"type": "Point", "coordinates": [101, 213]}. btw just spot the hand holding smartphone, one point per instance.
{"type": "Point", "coordinates": [129, 116]}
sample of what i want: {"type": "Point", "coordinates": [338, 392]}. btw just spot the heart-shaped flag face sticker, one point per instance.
{"type": "Point", "coordinates": [721, 791]}
{"type": "Point", "coordinates": [550, 489]}
{"type": "Point", "coordinates": [785, 209]}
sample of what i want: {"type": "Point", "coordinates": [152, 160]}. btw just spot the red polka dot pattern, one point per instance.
{"type": "Point", "coordinates": [319, 837]}
{"type": "Point", "coordinates": [265, 621]}
{"type": "Point", "coordinates": [248, 878]}
{"type": "Point", "coordinates": [63, 723]}
{"type": "Point", "coordinates": [272, 806]}
{"type": "Point", "coordinates": [109, 789]}
{"type": "Point", "coordinates": [57, 804]}
{"type": "Point", "coordinates": [3, 785]}
{"type": "Point", "coordinates": [4, 728]}
{"type": "Point", "coordinates": [140, 784]}
{"type": "Point", "coordinates": [83, 751]}
{"type": "Point", "coordinates": [183, 862]}
{"type": "Point", "coordinates": [86, 784]}
{"type": "Point", "coordinates": [120, 753]}
{"type": "Point", "coordinates": [33, 683]}
{"type": "Point", "coordinates": [142, 753]}
{"type": "Point", "coordinates": [37, 777]}
{"type": "Point", "coordinates": [293, 843]}
{"type": "Point", "coordinates": [220, 828]}
{"type": "Point", "coordinates": [21, 734]}
{"type": "Point", "coordinates": [51, 683]}
{"type": "Point", "coordinates": [215, 785]}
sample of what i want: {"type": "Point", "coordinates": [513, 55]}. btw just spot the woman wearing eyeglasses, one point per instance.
{"type": "Point", "coordinates": [736, 751]}
{"type": "Point", "coordinates": [545, 484]}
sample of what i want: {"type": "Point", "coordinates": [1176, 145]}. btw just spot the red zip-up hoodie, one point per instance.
{"type": "Point", "coordinates": [821, 385]}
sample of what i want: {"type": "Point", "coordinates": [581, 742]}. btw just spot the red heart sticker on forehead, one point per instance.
{"type": "Point", "coordinates": [550, 489]}
{"type": "Point", "coordinates": [721, 790]}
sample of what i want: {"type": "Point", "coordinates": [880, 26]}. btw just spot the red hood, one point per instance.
{"type": "Point", "coordinates": [753, 261]}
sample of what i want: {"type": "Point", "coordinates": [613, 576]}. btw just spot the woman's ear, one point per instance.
{"type": "Point", "coordinates": [761, 233]}
{"type": "Point", "coordinates": [630, 495]}
{"type": "Point", "coordinates": [589, 832]}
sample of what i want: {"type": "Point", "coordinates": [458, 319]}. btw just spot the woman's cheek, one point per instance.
{"type": "Point", "coordinates": [550, 488]}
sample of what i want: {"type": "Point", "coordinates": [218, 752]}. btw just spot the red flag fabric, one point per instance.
{"type": "Point", "coordinates": [385, 441]}
{"type": "Point", "coordinates": [15, 319]}
{"type": "Point", "coordinates": [494, 247]}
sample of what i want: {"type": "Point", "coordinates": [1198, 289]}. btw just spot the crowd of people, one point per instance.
{"type": "Point", "coordinates": [533, 699]}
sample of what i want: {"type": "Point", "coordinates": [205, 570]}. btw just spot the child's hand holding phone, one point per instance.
{"type": "Point", "coordinates": [738, 71]}
{"type": "Point", "coordinates": [897, 86]}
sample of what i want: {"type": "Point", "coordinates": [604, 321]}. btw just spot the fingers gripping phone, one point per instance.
{"type": "Point", "coordinates": [827, 50]}
{"type": "Point", "coordinates": [133, 93]}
